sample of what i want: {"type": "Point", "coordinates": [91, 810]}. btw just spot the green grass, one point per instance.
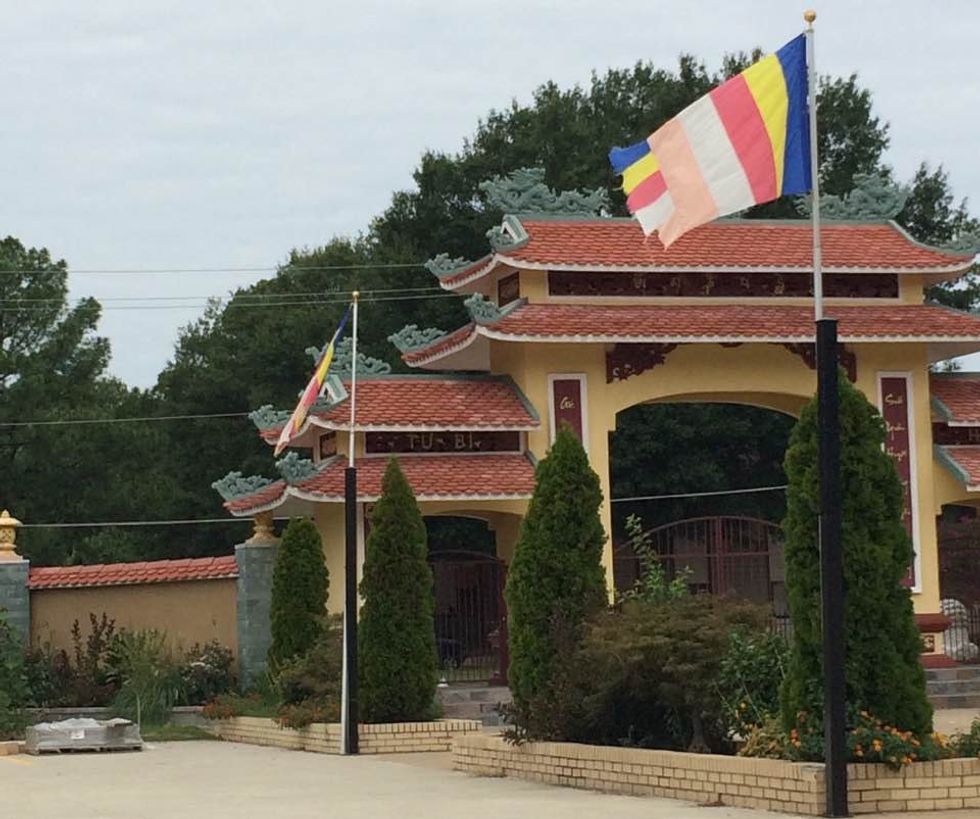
{"type": "Point", "coordinates": [173, 733]}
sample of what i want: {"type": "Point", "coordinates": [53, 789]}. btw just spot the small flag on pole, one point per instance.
{"type": "Point", "coordinates": [746, 142]}
{"type": "Point", "coordinates": [314, 389]}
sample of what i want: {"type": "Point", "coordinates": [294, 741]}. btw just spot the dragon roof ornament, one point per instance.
{"type": "Point", "coordinates": [525, 191]}
{"type": "Point", "coordinates": [411, 337]}
{"type": "Point", "coordinates": [267, 416]}
{"type": "Point", "coordinates": [235, 485]}
{"type": "Point", "coordinates": [874, 196]}
{"type": "Point", "coordinates": [442, 266]}
{"type": "Point", "coordinates": [295, 469]}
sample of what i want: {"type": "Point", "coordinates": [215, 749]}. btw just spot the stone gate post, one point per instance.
{"type": "Point", "coordinates": [14, 570]}
{"type": "Point", "coordinates": [256, 559]}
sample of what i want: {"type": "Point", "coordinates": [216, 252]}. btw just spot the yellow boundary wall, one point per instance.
{"type": "Point", "coordinates": [765, 784]}
{"type": "Point", "coordinates": [324, 738]}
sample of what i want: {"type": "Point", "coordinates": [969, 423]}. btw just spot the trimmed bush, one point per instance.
{"type": "Point", "coordinates": [556, 576]}
{"type": "Point", "coordinates": [396, 634]}
{"type": "Point", "coordinates": [14, 692]}
{"type": "Point", "coordinates": [299, 592]}
{"type": "Point", "coordinates": [883, 670]}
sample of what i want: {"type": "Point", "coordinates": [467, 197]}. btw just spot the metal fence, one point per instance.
{"type": "Point", "coordinates": [470, 620]}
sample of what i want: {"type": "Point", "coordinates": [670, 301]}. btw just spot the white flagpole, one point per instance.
{"type": "Point", "coordinates": [810, 16]}
{"type": "Point", "coordinates": [353, 381]}
{"type": "Point", "coordinates": [348, 696]}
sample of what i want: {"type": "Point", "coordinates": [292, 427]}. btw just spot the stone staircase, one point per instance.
{"type": "Point", "coordinates": [957, 687]}
{"type": "Point", "coordinates": [473, 701]}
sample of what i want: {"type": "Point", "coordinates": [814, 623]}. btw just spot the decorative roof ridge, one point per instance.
{"type": "Point", "coordinates": [443, 267]}
{"type": "Point", "coordinates": [965, 375]}
{"type": "Point", "coordinates": [961, 255]}
{"type": "Point", "coordinates": [940, 408]}
{"type": "Point", "coordinates": [410, 337]}
{"type": "Point", "coordinates": [296, 470]}
{"type": "Point", "coordinates": [946, 459]}
{"type": "Point", "coordinates": [234, 485]}
{"type": "Point", "coordinates": [483, 311]}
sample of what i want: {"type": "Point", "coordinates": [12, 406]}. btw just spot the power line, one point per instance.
{"type": "Point", "coordinates": [702, 494]}
{"type": "Point", "coordinates": [284, 268]}
{"type": "Point", "coordinates": [285, 295]}
{"type": "Point", "coordinates": [57, 422]}
{"type": "Point", "coordinates": [233, 304]}
{"type": "Point", "coordinates": [93, 525]}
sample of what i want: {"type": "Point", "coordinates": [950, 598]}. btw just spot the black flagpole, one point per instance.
{"type": "Point", "coordinates": [831, 557]}
{"type": "Point", "coordinates": [349, 710]}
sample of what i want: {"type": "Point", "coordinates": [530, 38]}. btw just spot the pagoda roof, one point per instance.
{"type": "Point", "coordinates": [426, 402]}
{"type": "Point", "coordinates": [726, 245]}
{"type": "Point", "coordinates": [954, 332]}
{"type": "Point", "coordinates": [964, 462]}
{"type": "Point", "coordinates": [497, 476]}
{"type": "Point", "coordinates": [127, 574]}
{"type": "Point", "coordinates": [956, 397]}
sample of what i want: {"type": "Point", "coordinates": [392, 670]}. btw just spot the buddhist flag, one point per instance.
{"type": "Point", "coordinates": [745, 143]}
{"type": "Point", "coordinates": [313, 391]}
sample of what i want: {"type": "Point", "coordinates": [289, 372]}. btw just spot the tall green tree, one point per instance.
{"type": "Point", "coordinates": [396, 632]}
{"type": "Point", "coordinates": [556, 578]}
{"type": "Point", "coordinates": [883, 672]}
{"type": "Point", "coordinates": [299, 592]}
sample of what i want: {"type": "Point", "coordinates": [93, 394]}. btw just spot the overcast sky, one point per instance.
{"type": "Point", "coordinates": [215, 134]}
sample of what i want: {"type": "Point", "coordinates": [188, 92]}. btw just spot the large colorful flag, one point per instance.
{"type": "Point", "coordinates": [744, 143]}
{"type": "Point", "coordinates": [314, 389]}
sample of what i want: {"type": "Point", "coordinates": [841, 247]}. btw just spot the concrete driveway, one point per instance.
{"type": "Point", "coordinates": [217, 780]}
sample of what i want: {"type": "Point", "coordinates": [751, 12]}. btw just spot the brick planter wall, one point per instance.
{"type": "Point", "coordinates": [324, 738]}
{"type": "Point", "coordinates": [791, 787]}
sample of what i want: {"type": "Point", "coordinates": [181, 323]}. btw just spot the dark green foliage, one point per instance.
{"type": "Point", "coordinates": [299, 592]}
{"type": "Point", "coordinates": [884, 675]}
{"type": "Point", "coordinates": [644, 674]}
{"type": "Point", "coordinates": [206, 672]}
{"type": "Point", "coordinates": [80, 677]}
{"type": "Point", "coordinates": [396, 635]}
{"type": "Point", "coordinates": [750, 679]}
{"type": "Point", "coordinates": [148, 676]}
{"type": "Point", "coordinates": [310, 686]}
{"type": "Point", "coordinates": [556, 574]}
{"type": "Point", "coordinates": [697, 448]}
{"type": "Point", "coordinates": [14, 691]}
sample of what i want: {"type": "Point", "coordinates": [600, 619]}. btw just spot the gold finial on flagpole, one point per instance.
{"type": "Point", "coordinates": [809, 15]}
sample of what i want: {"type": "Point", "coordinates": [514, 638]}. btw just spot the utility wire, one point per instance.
{"type": "Point", "coordinates": [92, 525]}
{"type": "Point", "coordinates": [284, 295]}
{"type": "Point", "coordinates": [230, 520]}
{"type": "Point", "coordinates": [288, 267]}
{"type": "Point", "coordinates": [702, 494]}
{"type": "Point", "coordinates": [58, 422]}
{"type": "Point", "coordinates": [232, 304]}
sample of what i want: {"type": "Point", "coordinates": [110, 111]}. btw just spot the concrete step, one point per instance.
{"type": "Point", "coordinates": [942, 701]}
{"type": "Point", "coordinates": [481, 702]}
{"type": "Point", "coordinates": [961, 672]}
{"type": "Point", "coordinates": [953, 687]}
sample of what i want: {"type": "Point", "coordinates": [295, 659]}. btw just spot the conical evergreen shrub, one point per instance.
{"type": "Point", "coordinates": [883, 670]}
{"type": "Point", "coordinates": [299, 592]}
{"type": "Point", "coordinates": [396, 632]}
{"type": "Point", "coordinates": [556, 578]}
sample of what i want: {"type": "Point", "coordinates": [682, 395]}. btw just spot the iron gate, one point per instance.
{"type": "Point", "coordinates": [470, 617]}
{"type": "Point", "coordinates": [717, 555]}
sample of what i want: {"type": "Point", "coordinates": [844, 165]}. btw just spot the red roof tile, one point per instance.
{"type": "Point", "coordinates": [452, 341]}
{"type": "Point", "coordinates": [967, 459]}
{"type": "Point", "coordinates": [125, 574]}
{"type": "Point", "coordinates": [730, 321]}
{"type": "Point", "coordinates": [414, 402]}
{"type": "Point", "coordinates": [723, 245]}
{"type": "Point", "coordinates": [959, 395]}
{"type": "Point", "coordinates": [432, 477]}
{"type": "Point", "coordinates": [269, 494]}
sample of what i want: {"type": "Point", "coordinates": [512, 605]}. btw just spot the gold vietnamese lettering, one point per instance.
{"type": "Point", "coordinates": [566, 403]}
{"type": "Point", "coordinates": [893, 400]}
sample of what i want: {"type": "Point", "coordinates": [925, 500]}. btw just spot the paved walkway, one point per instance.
{"type": "Point", "coordinates": [216, 780]}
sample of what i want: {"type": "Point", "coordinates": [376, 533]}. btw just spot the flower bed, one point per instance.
{"type": "Point", "coordinates": [766, 784]}
{"type": "Point", "coordinates": [324, 738]}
